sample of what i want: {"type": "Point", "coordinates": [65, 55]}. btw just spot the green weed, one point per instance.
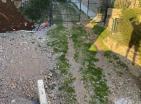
{"type": "Point", "coordinates": [92, 75]}
{"type": "Point", "coordinates": [58, 41]}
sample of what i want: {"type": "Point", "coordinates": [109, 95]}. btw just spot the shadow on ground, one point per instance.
{"type": "Point", "coordinates": [135, 39]}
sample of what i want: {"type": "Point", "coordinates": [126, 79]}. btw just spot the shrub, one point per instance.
{"type": "Point", "coordinates": [35, 9]}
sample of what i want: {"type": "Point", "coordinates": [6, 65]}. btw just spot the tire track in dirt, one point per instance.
{"type": "Point", "coordinates": [81, 93]}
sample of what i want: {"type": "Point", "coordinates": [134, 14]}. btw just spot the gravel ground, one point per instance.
{"type": "Point", "coordinates": [123, 87]}
{"type": "Point", "coordinates": [23, 60]}
{"type": "Point", "coordinates": [81, 93]}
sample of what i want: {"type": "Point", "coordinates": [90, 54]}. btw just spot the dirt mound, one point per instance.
{"type": "Point", "coordinates": [11, 19]}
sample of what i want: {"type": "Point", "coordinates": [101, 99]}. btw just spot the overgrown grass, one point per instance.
{"type": "Point", "coordinates": [92, 75]}
{"type": "Point", "coordinates": [58, 41]}
{"type": "Point", "coordinates": [67, 89]}
{"type": "Point", "coordinates": [77, 34]}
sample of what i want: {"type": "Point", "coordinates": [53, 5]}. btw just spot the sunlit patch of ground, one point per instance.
{"type": "Point", "coordinates": [127, 41]}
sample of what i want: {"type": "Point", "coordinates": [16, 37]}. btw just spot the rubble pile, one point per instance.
{"type": "Point", "coordinates": [11, 19]}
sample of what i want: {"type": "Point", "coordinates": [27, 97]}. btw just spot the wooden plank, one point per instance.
{"type": "Point", "coordinates": [41, 91]}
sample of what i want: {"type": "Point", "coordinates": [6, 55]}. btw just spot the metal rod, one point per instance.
{"type": "Point", "coordinates": [88, 8]}
{"type": "Point", "coordinates": [80, 10]}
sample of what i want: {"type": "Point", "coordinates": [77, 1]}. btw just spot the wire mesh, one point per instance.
{"type": "Point", "coordinates": [73, 10]}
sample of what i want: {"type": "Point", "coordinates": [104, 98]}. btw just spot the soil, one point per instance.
{"type": "Point", "coordinates": [11, 19]}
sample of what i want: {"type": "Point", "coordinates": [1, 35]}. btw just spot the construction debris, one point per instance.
{"type": "Point", "coordinates": [11, 19]}
{"type": "Point", "coordinates": [42, 94]}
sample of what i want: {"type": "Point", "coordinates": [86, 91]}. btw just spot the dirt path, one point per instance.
{"type": "Point", "coordinates": [75, 70]}
{"type": "Point", "coordinates": [122, 86]}
{"type": "Point", "coordinates": [74, 66]}
{"type": "Point", "coordinates": [23, 61]}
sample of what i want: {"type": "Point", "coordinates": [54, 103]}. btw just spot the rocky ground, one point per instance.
{"type": "Point", "coordinates": [123, 87]}
{"type": "Point", "coordinates": [25, 57]}
{"type": "Point", "coordinates": [23, 60]}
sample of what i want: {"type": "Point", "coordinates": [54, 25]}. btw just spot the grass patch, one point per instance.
{"type": "Point", "coordinates": [78, 33]}
{"type": "Point", "coordinates": [57, 39]}
{"type": "Point", "coordinates": [68, 90]}
{"type": "Point", "coordinates": [92, 75]}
